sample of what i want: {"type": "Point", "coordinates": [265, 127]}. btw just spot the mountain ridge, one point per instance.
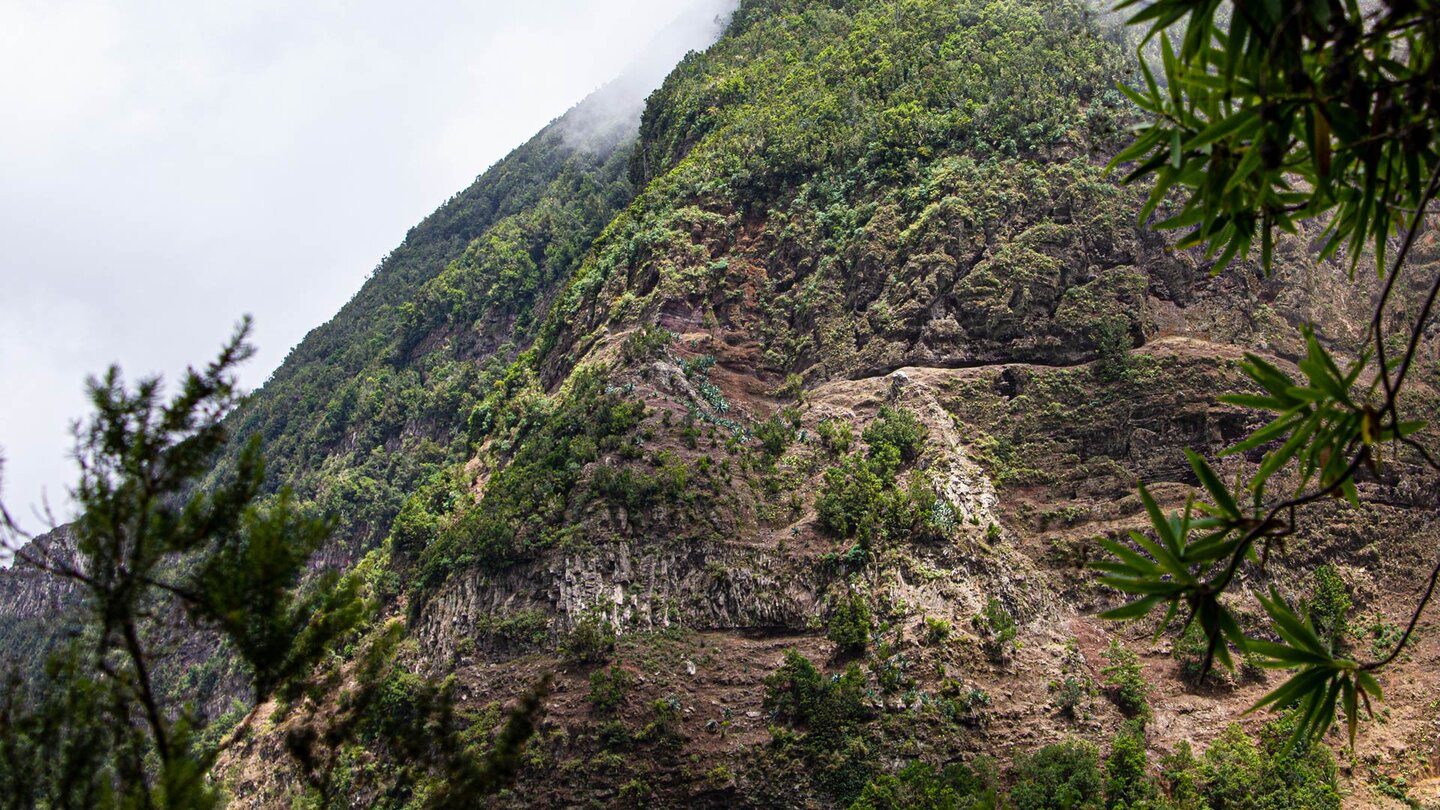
{"type": "Point", "coordinates": [780, 439]}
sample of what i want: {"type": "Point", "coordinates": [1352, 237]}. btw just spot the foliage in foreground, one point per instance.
{"type": "Point", "coordinates": [155, 556]}
{"type": "Point", "coordinates": [157, 559]}
{"type": "Point", "coordinates": [1291, 111]}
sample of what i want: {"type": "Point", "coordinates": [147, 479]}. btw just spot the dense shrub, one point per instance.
{"type": "Point", "coordinates": [1071, 693]}
{"type": "Point", "coordinates": [895, 429]}
{"type": "Point", "coordinates": [919, 786]}
{"type": "Point", "coordinates": [836, 436]}
{"type": "Point", "coordinates": [1329, 606]}
{"type": "Point", "coordinates": [591, 641]}
{"type": "Point", "coordinates": [608, 688]}
{"type": "Point", "coordinates": [851, 498]}
{"type": "Point", "coordinates": [525, 628]}
{"type": "Point", "coordinates": [1235, 773]}
{"type": "Point", "coordinates": [937, 631]}
{"type": "Point", "coordinates": [1065, 776]}
{"type": "Point", "coordinates": [1127, 781]}
{"type": "Point", "coordinates": [829, 713]}
{"type": "Point", "coordinates": [850, 625]}
{"type": "Point", "coordinates": [861, 498]}
{"type": "Point", "coordinates": [401, 702]}
{"type": "Point", "coordinates": [1238, 773]}
{"type": "Point", "coordinates": [800, 695]}
{"type": "Point", "coordinates": [637, 488]}
{"type": "Point", "coordinates": [1181, 779]}
{"type": "Point", "coordinates": [775, 435]}
{"type": "Point", "coordinates": [1125, 678]}
{"type": "Point", "coordinates": [1112, 347]}
{"type": "Point", "coordinates": [646, 342]}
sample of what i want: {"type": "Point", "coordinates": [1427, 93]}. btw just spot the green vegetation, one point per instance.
{"type": "Point", "coordinates": [798, 694]}
{"type": "Point", "coordinates": [849, 625]}
{"type": "Point", "coordinates": [1071, 693]}
{"type": "Point", "coordinates": [159, 559]}
{"type": "Point", "coordinates": [94, 731]}
{"type": "Point", "coordinates": [777, 432]}
{"type": "Point", "coordinates": [1125, 678]}
{"type": "Point", "coordinates": [1127, 781]}
{"type": "Point", "coordinates": [524, 628]}
{"type": "Point", "coordinates": [1236, 772]}
{"type": "Point", "coordinates": [852, 497]}
{"type": "Point", "coordinates": [847, 188]}
{"type": "Point", "coordinates": [523, 507]}
{"type": "Point", "coordinates": [1064, 776]}
{"type": "Point", "coordinates": [997, 628]}
{"type": "Point", "coordinates": [895, 433]}
{"type": "Point", "coordinates": [647, 342]}
{"type": "Point", "coordinates": [664, 726]}
{"type": "Point", "coordinates": [828, 713]}
{"type": "Point", "coordinates": [1264, 121]}
{"type": "Point", "coordinates": [1180, 778]}
{"type": "Point", "coordinates": [373, 404]}
{"type": "Point", "coordinates": [1112, 347]}
{"type": "Point", "coordinates": [1191, 649]}
{"type": "Point", "coordinates": [608, 688]}
{"type": "Point", "coordinates": [1329, 607]}
{"type": "Point", "coordinates": [591, 641]}
{"type": "Point", "coordinates": [861, 497]}
{"type": "Point", "coordinates": [835, 436]}
{"type": "Point", "coordinates": [637, 490]}
{"type": "Point", "coordinates": [937, 631]}
{"type": "Point", "coordinates": [919, 786]}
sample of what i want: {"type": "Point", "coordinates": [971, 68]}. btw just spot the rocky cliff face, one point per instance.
{"type": "Point", "coordinates": [858, 340]}
{"type": "Point", "coordinates": [806, 253]}
{"type": "Point", "coordinates": [36, 607]}
{"type": "Point", "coordinates": [28, 593]}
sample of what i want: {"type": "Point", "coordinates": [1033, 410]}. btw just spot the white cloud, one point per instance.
{"type": "Point", "coordinates": [168, 167]}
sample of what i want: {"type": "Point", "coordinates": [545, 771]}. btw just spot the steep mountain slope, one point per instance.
{"type": "Point", "coordinates": [851, 355]}
{"type": "Point", "coordinates": [373, 403]}
{"type": "Point", "coordinates": [852, 213]}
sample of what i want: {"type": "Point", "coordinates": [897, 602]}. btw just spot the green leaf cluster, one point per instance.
{"type": "Point", "coordinates": [1324, 432]}
{"type": "Point", "coordinates": [157, 557]}
{"type": "Point", "coordinates": [1281, 112]}
{"type": "Point", "coordinates": [861, 497]}
{"type": "Point", "coordinates": [849, 625]}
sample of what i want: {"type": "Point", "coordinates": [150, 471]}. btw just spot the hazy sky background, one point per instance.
{"type": "Point", "coordinates": [166, 167]}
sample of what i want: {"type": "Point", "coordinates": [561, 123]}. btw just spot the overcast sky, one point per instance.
{"type": "Point", "coordinates": [168, 166]}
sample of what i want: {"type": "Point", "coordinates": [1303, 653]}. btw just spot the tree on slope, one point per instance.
{"type": "Point", "coordinates": [158, 559]}
{"type": "Point", "coordinates": [1266, 115]}
{"type": "Point", "coordinates": [154, 559]}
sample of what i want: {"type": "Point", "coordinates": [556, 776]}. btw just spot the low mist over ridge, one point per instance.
{"type": "Point", "coordinates": [182, 169]}
{"type": "Point", "coordinates": [614, 110]}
